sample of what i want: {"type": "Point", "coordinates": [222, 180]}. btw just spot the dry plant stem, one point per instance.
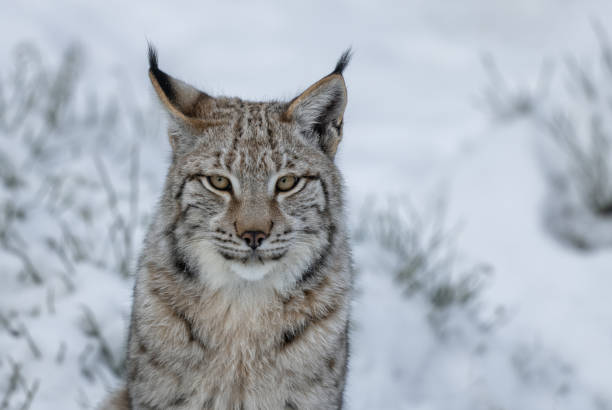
{"type": "Point", "coordinates": [28, 266]}
{"type": "Point", "coordinates": [92, 329]}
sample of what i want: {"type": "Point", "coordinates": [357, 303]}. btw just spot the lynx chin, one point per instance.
{"type": "Point", "coordinates": [243, 288]}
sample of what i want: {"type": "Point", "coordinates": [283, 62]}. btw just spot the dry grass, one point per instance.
{"type": "Point", "coordinates": [570, 105]}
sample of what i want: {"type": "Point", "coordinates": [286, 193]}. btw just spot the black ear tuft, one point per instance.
{"type": "Point", "coordinates": [152, 57]}
{"type": "Point", "coordinates": [345, 58]}
{"type": "Point", "coordinates": [163, 79]}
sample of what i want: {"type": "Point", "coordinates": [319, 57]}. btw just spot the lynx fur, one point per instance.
{"type": "Point", "coordinates": [243, 288]}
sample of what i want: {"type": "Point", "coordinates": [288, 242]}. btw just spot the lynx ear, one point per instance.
{"type": "Point", "coordinates": [319, 110]}
{"type": "Point", "coordinates": [184, 103]}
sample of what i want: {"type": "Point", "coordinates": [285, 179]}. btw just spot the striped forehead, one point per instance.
{"type": "Point", "coordinates": [254, 141]}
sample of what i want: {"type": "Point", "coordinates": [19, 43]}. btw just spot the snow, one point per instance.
{"type": "Point", "coordinates": [537, 336]}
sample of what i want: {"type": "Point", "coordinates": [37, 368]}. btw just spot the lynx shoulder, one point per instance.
{"type": "Point", "coordinates": [243, 288]}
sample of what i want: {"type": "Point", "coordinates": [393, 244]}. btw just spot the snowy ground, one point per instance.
{"type": "Point", "coordinates": [79, 179]}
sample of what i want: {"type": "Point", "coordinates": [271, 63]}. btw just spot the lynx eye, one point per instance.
{"type": "Point", "coordinates": [286, 183]}
{"type": "Point", "coordinates": [219, 182]}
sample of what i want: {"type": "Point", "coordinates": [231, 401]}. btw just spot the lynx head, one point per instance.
{"type": "Point", "coordinates": [252, 194]}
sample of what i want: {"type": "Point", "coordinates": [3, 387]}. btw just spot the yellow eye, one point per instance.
{"type": "Point", "coordinates": [286, 183]}
{"type": "Point", "coordinates": [220, 183]}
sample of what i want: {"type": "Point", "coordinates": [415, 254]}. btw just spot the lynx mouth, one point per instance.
{"type": "Point", "coordinates": [252, 257]}
{"type": "Point", "coordinates": [253, 265]}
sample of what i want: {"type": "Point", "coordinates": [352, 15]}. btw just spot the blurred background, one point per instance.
{"type": "Point", "coordinates": [477, 157]}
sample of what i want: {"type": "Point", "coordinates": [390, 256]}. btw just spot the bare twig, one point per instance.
{"type": "Point", "coordinates": [119, 221]}
{"type": "Point", "coordinates": [92, 329]}
{"type": "Point", "coordinates": [59, 250]}
{"type": "Point", "coordinates": [30, 392]}
{"type": "Point", "coordinates": [28, 267]}
{"type": "Point", "coordinates": [31, 344]}
{"type": "Point", "coordinates": [61, 353]}
{"type": "Point", "coordinates": [12, 385]}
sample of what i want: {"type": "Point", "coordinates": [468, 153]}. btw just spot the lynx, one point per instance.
{"type": "Point", "coordinates": [243, 287]}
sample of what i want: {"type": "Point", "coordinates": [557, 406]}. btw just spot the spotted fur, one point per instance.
{"type": "Point", "coordinates": [215, 323]}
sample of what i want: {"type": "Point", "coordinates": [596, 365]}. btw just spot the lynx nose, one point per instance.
{"type": "Point", "coordinates": [253, 238]}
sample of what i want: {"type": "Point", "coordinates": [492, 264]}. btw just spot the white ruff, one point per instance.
{"type": "Point", "coordinates": [252, 271]}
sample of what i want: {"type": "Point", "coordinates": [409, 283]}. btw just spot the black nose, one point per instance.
{"type": "Point", "coordinates": [253, 238]}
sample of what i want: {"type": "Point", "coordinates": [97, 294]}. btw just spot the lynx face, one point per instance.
{"type": "Point", "coordinates": [249, 185]}
{"type": "Point", "coordinates": [254, 198]}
